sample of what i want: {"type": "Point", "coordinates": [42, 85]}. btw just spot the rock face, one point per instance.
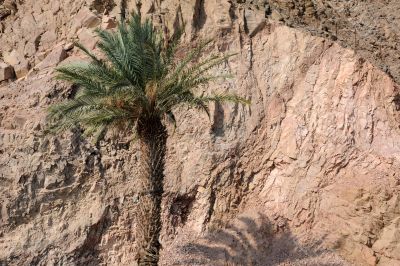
{"type": "Point", "coordinates": [370, 27]}
{"type": "Point", "coordinates": [305, 175]}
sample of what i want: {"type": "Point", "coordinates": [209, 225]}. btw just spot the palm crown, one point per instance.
{"type": "Point", "coordinates": [137, 78]}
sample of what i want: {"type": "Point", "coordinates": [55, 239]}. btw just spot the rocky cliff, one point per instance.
{"type": "Point", "coordinates": [305, 175]}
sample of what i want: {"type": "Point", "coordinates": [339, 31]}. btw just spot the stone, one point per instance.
{"type": "Point", "coordinates": [85, 19]}
{"type": "Point", "coordinates": [87, 38]}
{"type": "Point", "coordinates": [69, 46]}
{"type": "Point", "coordinates": [108, 22]}
{"type": "Point", "coordinates": [6, 71]}
{"type": "Point", "coordinates": [55, 7]}
{"type": "Point", "coordinates": [51, 181]}
{"type": "Point", "coordinates": [48, 39]}
{"type": "Point", "coordinates": [275, 15]}
{"type": "Point", "coordinates": [384, 261]}
{"type": "Point", "coordinates": [57, 55]}
{"type": "Point", "coordinates": [30, 49]}
{"type": "Point", "coordinates": [12, 58]}
{"type": "Point", "coordinates": [22, 69]}
{"type": "Point", "coordinates": [255, 21]}
{"type": "Point", "coordinates": [28, 25]}
{"type": "Point", "coordinates": [41, 55]}
{"type": "Point", "coordinates": [387, 243]}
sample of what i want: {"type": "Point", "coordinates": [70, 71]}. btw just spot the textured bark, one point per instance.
{"type": "Point", "coordinates": [152, 136]}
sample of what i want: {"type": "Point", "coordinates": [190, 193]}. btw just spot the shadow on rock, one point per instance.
{"type": "Point", "coordinates": [257, 241]}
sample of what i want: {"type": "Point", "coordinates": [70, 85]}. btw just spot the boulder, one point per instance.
{"type": "Point", "coordinates": [12, 58]}
{"type": "Point", "coordinates": [30, 48]}
{"type": "Point", "coordinates": [85, 19]}
{"type": "Point", "coordinates": [6, 71]}
{"type": "Point", "coordinates": [29, 26]}
{"type": "Point", "coordinates": [87, 38]}
{"type": "Point", "coordinates": [53, 58]}
{"type": "Point", "coordinates": [108, 22]}
{"type": "Point", "coordinates": [22, 69]}
{"type": "Point", "coordinates": [47, 40]}
{"type": "Point", "coordinates": [41, 55]}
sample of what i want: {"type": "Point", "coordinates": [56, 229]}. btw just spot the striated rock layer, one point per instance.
{"type": "Point", "coordinates": [307, 174]}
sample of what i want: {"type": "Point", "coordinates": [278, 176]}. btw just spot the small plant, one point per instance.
{"type": "Point", "coordinates": [136, 87]}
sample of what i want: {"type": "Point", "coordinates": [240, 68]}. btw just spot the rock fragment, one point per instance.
{"type": "Point", "coordinates": [22, 69]}
{"type": "Point", "coordinates": [87, 38]}
{"type": "Point", "coordinates": [108, 22]}
{"type": "Point", "coordinates": [12, 58]}
{"type": "Point", "coordinates": [69, 46]}
{"type": "Point", "coordinates": [85, 19]}
{"type": "Point", "coordinates": [53, 58]}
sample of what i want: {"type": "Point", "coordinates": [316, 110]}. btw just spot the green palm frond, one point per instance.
{"type": "Point", "coordinates": [136, 77]}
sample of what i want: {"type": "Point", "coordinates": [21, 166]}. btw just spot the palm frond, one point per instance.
{"type": "Point", "coordinates": [138, 75]}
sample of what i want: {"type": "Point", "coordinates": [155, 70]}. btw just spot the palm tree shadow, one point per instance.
{"type": "Point", "coordinates": [217, 127]}
{"type": "Point", "coordinates": [254, 242]}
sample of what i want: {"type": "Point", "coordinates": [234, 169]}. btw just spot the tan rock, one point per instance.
{"type": "Point", "coordinates": [87, 38]}
{"type": "Point", "coordinates": [57, 55]}
{"type": "Point", "coordinates": [22, 69]}
{"type": "Point", "coordinates": [384, 261]}
{"type": "Point", "coordinates": [69, 46]}
{"type": "Point", "coordinates": [387, 243]}
{"type": "Point", "coordinates": [108, 22]}
{"type": "Point", "coordinates": [30, 49]}
{"type": "Point", "coordinates": [13, 58]}
{"type": "Point", "coordinates": [41, 55]}
{"type": "Point", "coordinates": [86, 19]}
{"type": "Point", "coordinates": [48, 39]}
{"type": "Point", "coordinates": [28, 25]}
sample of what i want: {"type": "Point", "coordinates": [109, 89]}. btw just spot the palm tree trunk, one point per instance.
{"type": "Point", "coordinates": [152, 137]}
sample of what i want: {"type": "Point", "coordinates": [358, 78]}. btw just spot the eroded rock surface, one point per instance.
{"type": "Point", "coordinates": [307, 174]}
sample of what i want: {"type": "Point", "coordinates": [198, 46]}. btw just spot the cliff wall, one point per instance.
{"type": "Point", "coordinates": [307, 174]}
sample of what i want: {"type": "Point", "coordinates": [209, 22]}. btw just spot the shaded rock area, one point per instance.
{"type": "Point", "coordinates": [305, 175]}
{"type": "Point", "coordinates": [371, 27]}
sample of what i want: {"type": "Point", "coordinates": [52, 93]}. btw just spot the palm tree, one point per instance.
{"type": "Point", "coordinates": [136, 84]}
